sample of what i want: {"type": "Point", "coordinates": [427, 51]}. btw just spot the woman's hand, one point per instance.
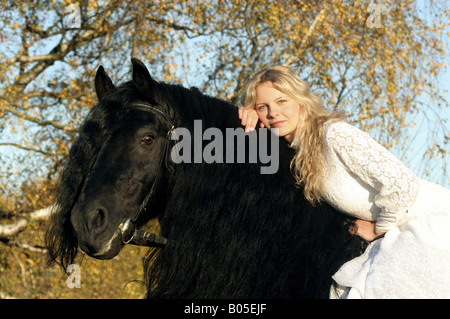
{"type": "Point", "coordinates": [249, 118]}
{"type": "Point", "coordinates": [366, 230]}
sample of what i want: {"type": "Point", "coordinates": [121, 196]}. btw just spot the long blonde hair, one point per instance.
{"type": "Point", "coordinates": [307, 164]}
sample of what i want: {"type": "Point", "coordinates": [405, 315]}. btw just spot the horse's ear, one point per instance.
{"type": "Point", "coordinates": [141, 77]}
{"type": "Point", "coordinates": [103, 83]}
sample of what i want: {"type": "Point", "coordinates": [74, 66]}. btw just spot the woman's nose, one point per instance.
{"type": "Point", "coordinates": [273, 111]}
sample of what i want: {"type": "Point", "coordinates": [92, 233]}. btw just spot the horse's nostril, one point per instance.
{"type": "Point", "coordinates": [98, 219]}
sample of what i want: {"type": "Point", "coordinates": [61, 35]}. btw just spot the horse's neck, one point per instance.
{"type": "Point", "coordinates": [211, 111]}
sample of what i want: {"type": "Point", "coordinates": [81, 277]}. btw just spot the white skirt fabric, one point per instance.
{"type": "Point", "coordinates": [411, 260]}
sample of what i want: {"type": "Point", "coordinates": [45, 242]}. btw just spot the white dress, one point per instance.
{"type": "Point", "coordinates": [365, 180]}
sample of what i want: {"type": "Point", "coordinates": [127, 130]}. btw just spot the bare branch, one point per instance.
{"type": "Point", "coordinates": [37, 120]}
{"type": "Point", "coordinates": [28, 247]}
{"type": "Point", "coordinates": [32, 59]}
{"type": "Point", "coordinates": [249, 23]}
{"type": "Point", "coordinates": [312, 27]}
{"type": "Point", "coordinates": [62, 49]}
{"type": "Point", "coordinates": [172, 25]}
{"type": "Point", "coordinates": [12, 229]}
{"type": "Point", "coordinates": [8, 232]}
{"type": "Point", "coordinates": [43, 213]}
{"type": "Point", "coordinates": [26, 148]}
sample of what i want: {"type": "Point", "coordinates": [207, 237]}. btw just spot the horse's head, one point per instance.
{"type": "Point", "coordinates": [119, 160]}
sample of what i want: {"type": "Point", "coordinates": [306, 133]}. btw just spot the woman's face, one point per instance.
{"type": "Point", "coordinates": [277, 110]}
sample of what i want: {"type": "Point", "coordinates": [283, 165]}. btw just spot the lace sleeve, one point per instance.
{"type": "Point", "coordinates": [396, 184]}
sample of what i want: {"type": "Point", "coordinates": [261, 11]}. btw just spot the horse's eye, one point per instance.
{"type": "Point", "coordinates": [147, 140]}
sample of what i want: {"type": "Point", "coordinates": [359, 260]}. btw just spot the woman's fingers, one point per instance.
{"type": "Point", "coordinates": [249, 119]}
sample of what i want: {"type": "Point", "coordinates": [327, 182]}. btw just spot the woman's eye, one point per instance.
{"type": "Point", "coordinates": [261, 107]}
{"type": "Point", "coordinates": [147, 140]}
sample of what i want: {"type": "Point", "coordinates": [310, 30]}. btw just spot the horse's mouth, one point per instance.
{"type": "Point", "coordinates": [123, 235]}
{"type": "Point", "coordinates": [108, 250]}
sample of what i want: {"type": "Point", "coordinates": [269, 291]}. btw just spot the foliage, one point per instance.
{"type": "Point", "coordinates": [24, 273]}
{"type": "Point", "coordinates": [382, 72]}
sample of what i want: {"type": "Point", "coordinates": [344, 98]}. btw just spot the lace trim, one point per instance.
{"type": "Point", "coordinates": [396, 184]}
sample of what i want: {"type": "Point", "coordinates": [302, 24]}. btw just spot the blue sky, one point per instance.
{"type": "Point", "coordinates": [413, 155]}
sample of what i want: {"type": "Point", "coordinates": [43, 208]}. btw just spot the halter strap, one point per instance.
{"type": "Point", "coordinates": [150, 107]}
{"type": "Point", "coordinates": [129, 233]}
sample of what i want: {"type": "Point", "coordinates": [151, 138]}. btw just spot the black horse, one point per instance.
{"type": "Point", "coordinates": [227, 231]}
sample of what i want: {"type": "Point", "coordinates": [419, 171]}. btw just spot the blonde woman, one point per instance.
{"type": "Point", "coordinates": [407, 219]}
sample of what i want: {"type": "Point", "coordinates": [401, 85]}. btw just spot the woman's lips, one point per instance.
{"type": "Point", "coordinates": [277, 123]}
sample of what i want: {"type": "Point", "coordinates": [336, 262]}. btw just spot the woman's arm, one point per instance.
{"type": "Point", "coordinates": [396, 184]}
{"type": "Point", "coordinates": [366, 229]}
